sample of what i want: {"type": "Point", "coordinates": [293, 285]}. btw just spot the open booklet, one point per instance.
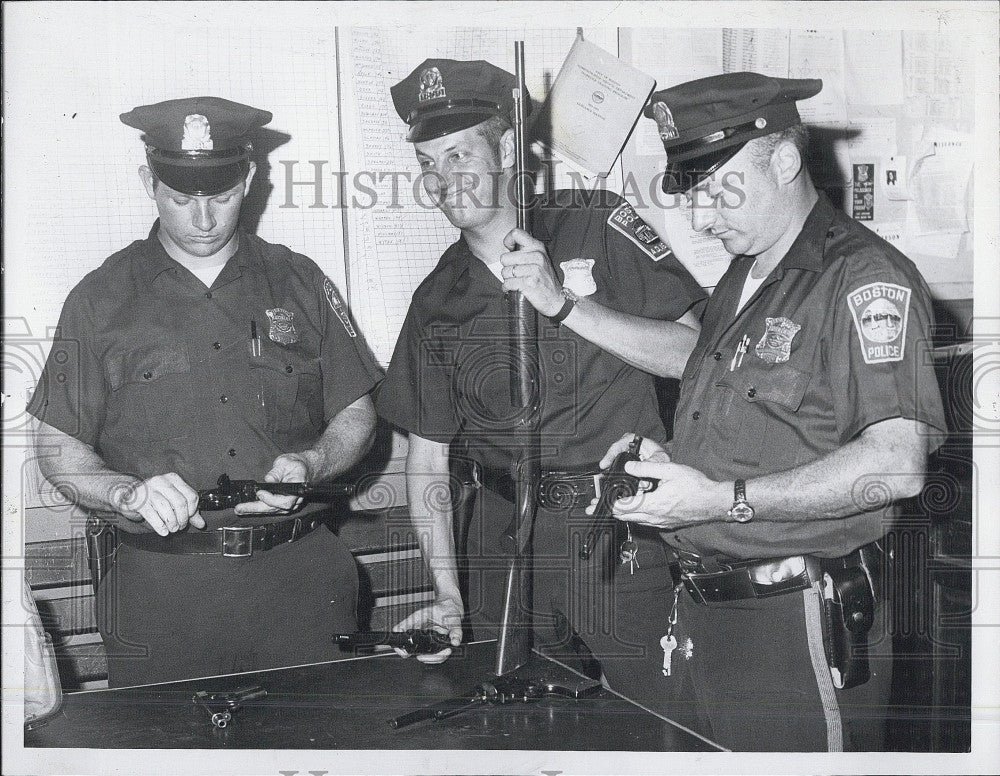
{"type": "Point", "coordinates": [592, 108]}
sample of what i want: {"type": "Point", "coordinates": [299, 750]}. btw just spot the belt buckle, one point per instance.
{"type": "Point", "coordinates": [237, 542]}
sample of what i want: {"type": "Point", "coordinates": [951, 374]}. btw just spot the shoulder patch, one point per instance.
{"type": "Point", "coordinates": [338, 306]}
{"type": "Point", "coordinates": [880, 312]}
{"type": "Point", "coordinates": [624, 219]}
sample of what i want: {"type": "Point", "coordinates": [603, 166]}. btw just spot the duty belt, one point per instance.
{"type": "Point", "coordinates": [772, 576]}
{"type": "Point", "coordinates": [229, 542]}
{"type": "Point", "coordinates": [556, 489]}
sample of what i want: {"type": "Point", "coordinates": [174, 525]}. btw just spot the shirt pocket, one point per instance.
{"type": "Point", "coordinates": [149, 386]}
{"type": "Point", "coordinates": [291, 394]}
{"type": "Point", "coordinates": [758, 399]}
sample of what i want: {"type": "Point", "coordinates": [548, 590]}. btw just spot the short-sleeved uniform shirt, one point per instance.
{"type": "Point", "coordinates": [157, 373]}
{"type": "Point", "coordinates": [837, 339]}
{"type": "Point", "coordinates": [449, 378]}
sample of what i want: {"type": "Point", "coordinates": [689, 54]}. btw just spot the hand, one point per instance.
{"type": "Point", "coordinates": [647, 450]}
{"type": "Point", "coordinates": [527, 269]}
{"type": "Point", "coordinates": [444, 616]}
{"type": "Point", "coordinates": [683, 497]}
{"type": "Point", "coordinates": [289, 467]}
{"type": "Point", "coordinates": [165, 502]}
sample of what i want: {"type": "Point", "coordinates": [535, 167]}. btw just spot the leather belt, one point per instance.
{"type": "Point", "coordinates": [229, 542]}
{"type": "Point", "coordinates": [771, 577]}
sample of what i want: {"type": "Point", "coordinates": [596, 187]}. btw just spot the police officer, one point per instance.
{"type": "Point", "coordinates": [614, 306]}
{"type": "Point", "coordinates": [196, 352]}
{"type": "Point", "coordinates": [808, 407]}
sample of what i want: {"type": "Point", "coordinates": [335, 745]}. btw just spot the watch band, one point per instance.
{"type": "Point", "coordinates": [568, 305]}
{"type": "Point", "coordinates": [740, 490]}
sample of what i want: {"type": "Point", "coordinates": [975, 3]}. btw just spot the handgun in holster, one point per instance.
{"type": "Point", "coordinates": [102, 541]}
{"type": "Point", "coordinates": [849, 613]}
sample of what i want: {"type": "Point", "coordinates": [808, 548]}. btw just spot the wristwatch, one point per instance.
{"type": "Point", "coordinates": [571, 300]}
{"type": "Point", "coordinates": [741, 511]}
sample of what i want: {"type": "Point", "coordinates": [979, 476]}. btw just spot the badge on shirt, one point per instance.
{"type": "Point", "coordinates": [624, 219]}
{"type": "Point", "coordinates": [776, 344]}
{"type": "Point", "coordinates": [338, 307]}
{"type": "Point", "coordinates": [282, 329]}
{"type": "Point", "coordinates": [880, 312]}
{"type": "Point", "coordinates": [578, 276]}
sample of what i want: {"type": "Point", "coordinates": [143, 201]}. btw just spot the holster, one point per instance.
{"type": "Point", "coordinates": [849, 612]}
{"type": "Point", "coordinates": [102, 541]}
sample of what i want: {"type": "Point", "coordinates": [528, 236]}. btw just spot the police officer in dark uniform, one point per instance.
{"type": "Point", "coordinates": [808, 407]}
{"type": "Point", "coordinates": [614, 306]}
{"type": "Point", "coordinates": [196, 352]}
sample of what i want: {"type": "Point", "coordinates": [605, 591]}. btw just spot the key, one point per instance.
{"type": "Point", "coordinates": [627, 553]}
{"type": "Point", "coordinates": [669, 644]}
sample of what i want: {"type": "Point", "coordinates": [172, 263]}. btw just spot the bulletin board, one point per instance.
{"type": "Point", "coordinates": [895, 120]}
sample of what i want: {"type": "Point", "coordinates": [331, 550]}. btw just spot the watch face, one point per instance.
{"type": "Point", "coordinates": [741, 513]}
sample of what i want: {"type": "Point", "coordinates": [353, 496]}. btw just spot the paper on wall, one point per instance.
{"type": "Point", "coordinates": [702, 254]}
{"type": "Point", "coordinates": [873, 64]}
{"type": "Point", "coordinates": [939, 181]}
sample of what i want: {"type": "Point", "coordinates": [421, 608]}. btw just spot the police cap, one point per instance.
{"type": "Point", "coordinates": [446, 95]}
{"type": "Point", "coordinates": [198, 145]}
{"type": "Point", "coordinates": [704, 123]}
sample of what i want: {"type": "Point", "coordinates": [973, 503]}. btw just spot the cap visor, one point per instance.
{"type": "Point", "coordinates": [683, 176]}
{"type": "Point", "coordinates": [438, 126]}
{"type": "Point", "coordinates": [201, 180]}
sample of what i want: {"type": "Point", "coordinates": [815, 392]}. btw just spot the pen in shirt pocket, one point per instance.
{"type": "Point", "coordinates": [741, 349]}
{"type": "Point", "coordinates": [255, 353]}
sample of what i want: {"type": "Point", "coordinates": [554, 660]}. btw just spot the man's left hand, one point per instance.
{"type": "Point", "coordinates": [683, 497]}
{"type": "Point", "coordinates": [286, 468]}
{"type": "Point", "coordinates": [527, 269]}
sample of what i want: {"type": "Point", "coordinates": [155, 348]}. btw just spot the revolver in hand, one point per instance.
{"type": "Point", "coordinates": [228, 493]}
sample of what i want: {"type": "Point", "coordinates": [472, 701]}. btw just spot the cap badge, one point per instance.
{"type": "Point", "coordinates": [431, 85]}
{"type": "Point", "coordinates": [776, 344]}
{"type": "Point", "coordinates": [665, 121]}
{"type": "Point", "coordinates": [578, 276]}
{"type": "Point", "coordinates": [197, 133]}
{"type": "Point", "coordinates": [282, 329]}
{"type": "Point", "coordinates": [760, 123]}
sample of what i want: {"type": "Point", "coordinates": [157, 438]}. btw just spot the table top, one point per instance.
{"type": "Point", "coordinates": [347, 704]}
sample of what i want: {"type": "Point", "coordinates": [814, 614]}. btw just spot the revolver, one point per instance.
{"type": "Point", "coordinates": [615, 484]}
{"type": "Point", "coordinates": [416, 642]}
{"type": "Point", "coordinates": [221, 705]}
{"type": "Point", "coordinates": [510, 688]}
{"type": "Point", "coordinates": [228, 493]}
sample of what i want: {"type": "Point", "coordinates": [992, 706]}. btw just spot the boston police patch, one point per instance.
{"type": "Point", "coordinates": [880, 312]}
{"type": "Point", "coordinates": [624, 219]}
{"type": "Point", "coordinates": [338, 306]}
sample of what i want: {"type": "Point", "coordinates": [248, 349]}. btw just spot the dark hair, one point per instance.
{"type": "Point", "coordinates": [762, 148]}
{"type": "Point", "coordinates": [492, 130]}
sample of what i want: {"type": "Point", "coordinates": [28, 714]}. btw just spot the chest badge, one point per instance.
{"type": "Point", "coordinates": [578, 276]}
{"type": "Point", "coordinates": [776, 344]}
{"type": "Point", "coordinates": [282, 329]}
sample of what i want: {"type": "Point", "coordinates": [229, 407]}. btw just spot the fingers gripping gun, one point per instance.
{"type": "Point", "coordinates": [615, 484]}
{"type": "Point", "coordinates": [416, 642]}
{"type": "Point", "coordinates": [510, 688]}
{"type": "Point", "coordinates": [229, 493]}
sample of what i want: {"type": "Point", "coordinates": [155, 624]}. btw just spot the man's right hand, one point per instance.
{"type": "Point", "coordinates": [165, 502]}
{"type": "Point", "coordinates": [444, 616]}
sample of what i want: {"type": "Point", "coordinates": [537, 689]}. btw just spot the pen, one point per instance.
{"type": "Point", "coordinates": [738, 355]}
{"type": "Point", "coordinates": [254, 339]}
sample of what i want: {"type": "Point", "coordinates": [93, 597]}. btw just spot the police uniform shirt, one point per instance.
{"type": "Point", "coordinates": [450, 373]}
{"type": "Point", "coordinates": [157, 372]}
{"type": "Point", "coordinates": [838, 336]}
